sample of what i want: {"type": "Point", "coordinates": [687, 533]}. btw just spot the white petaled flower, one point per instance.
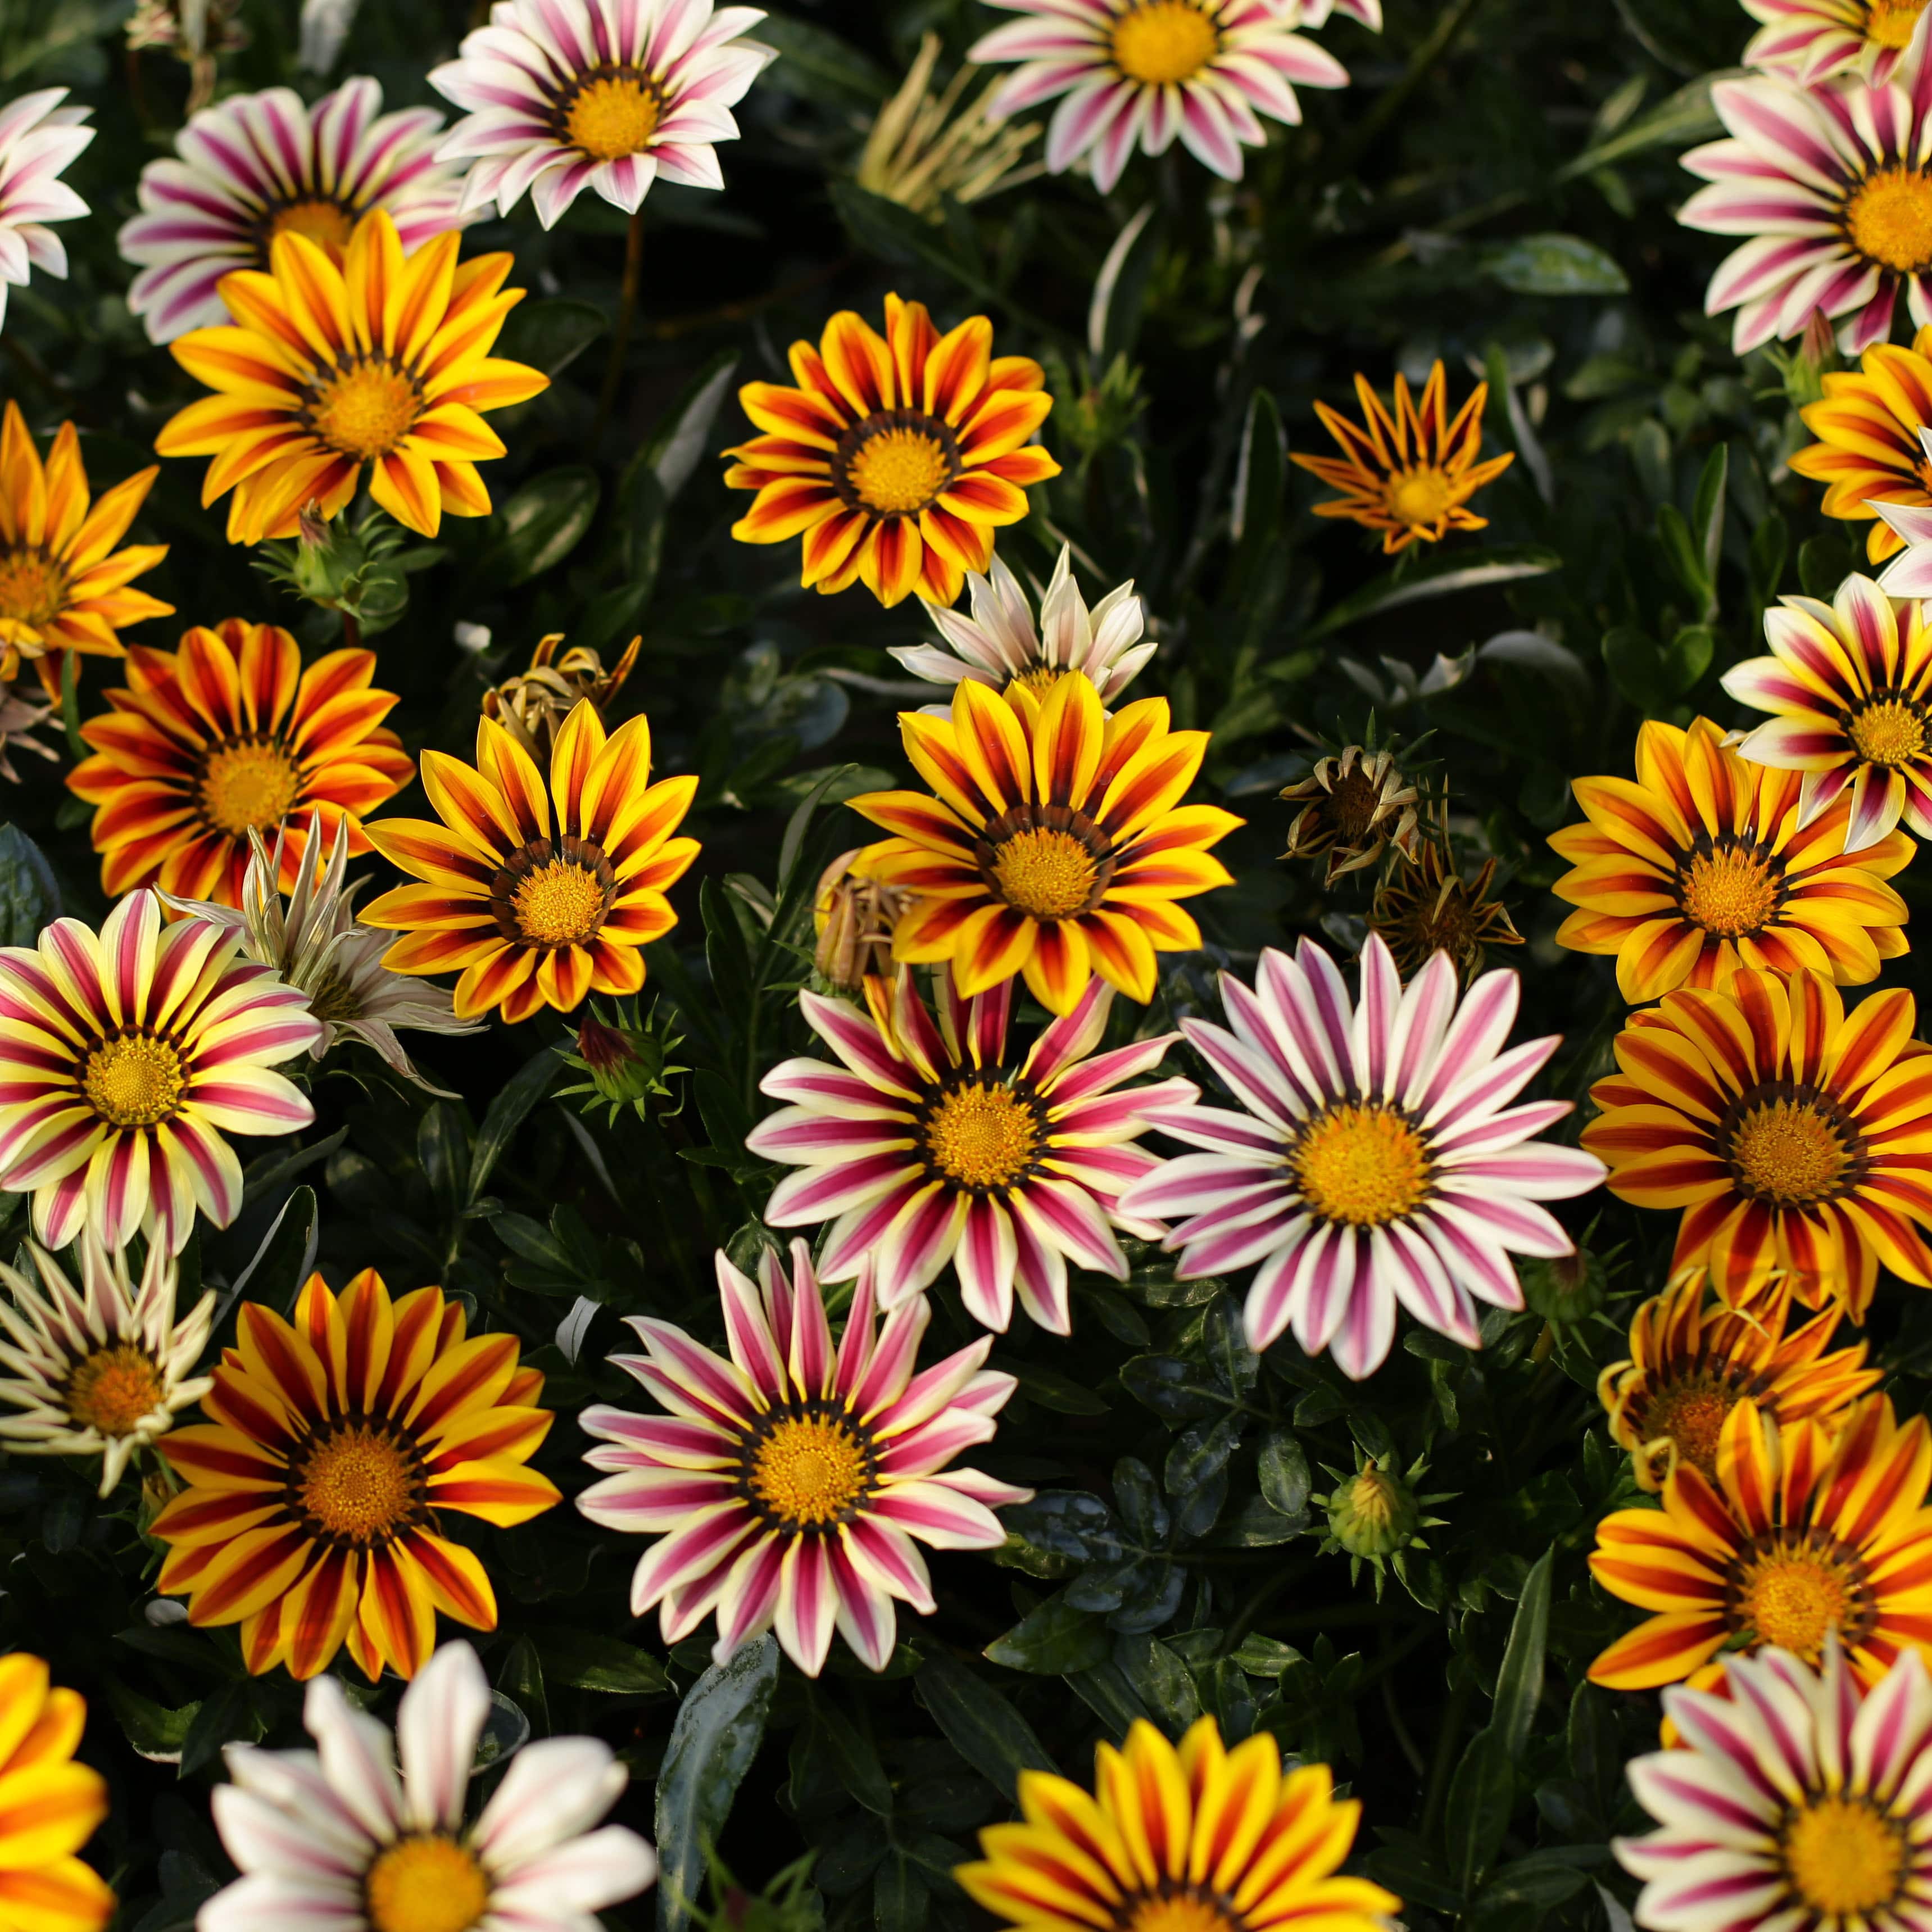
{"type": "Point", "coordinates": [257, 166]}
{"type": "Point", "coordinates": [1812, 39]}
{"type": "Point", "coordinates": [609, 94]}
{"type": "Point", "coordinates": [1909, 573]}
{"type": "Point", "coordinates": [1798, 1799]}
{"type": "Point", "coordinates": [1377, 1161]}
{"type": "Point", "coordinates": [336, 1838]}
{"type": "Point", "coordinates": [101, 1369]}
{"type": "Point", "coordinates": [39, 140]}
{"type": "Point", "coordinates": [1000, 645]}
{"type": "Point", "coordinates": [317, 945]}
{"type": "Point", "coordinates": [1132, 74]}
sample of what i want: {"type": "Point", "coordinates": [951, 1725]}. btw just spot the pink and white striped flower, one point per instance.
{"type": "Point", "coordinates": [1378, 1160]}
{"type": "Point", "coordinates": [341, 1837]}
{"type": "Point", "coordinates": [1798, 1800]}
{"type": "Point", "coordinates": [1133, 73]}
{"type": "Point", "coordinates": [126, 1057]}
{"type": "Point", "coordinates": [1833, 186]}
{"type": "Point", "coordinates": [562, 95]}
{"type": "Point", "coordinates": [39, 140]}
{"type": "Point", "coordinates": [1813, 40]}
{"type": "Point", "coordinates": [257, 166]}
{"type": "Point", "coordinates": [925, 1146]}
{"type": "Point", "coordinates": [790, 1485]}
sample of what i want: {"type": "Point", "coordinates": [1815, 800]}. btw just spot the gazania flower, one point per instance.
{"type": "Point", "coordinates": [1849, 685]}
{"type": "Point", "coordinates": [53, 1805]}
{"type": "Point", "coordinates": [1868, 427]}
{"type": "Point", "coordinates": [335, 1837]}
{"type": "Point", "coordinates": [1354, 807]}
{"type": "Point", "coordinates": [1707, 864]}
{"type": "Point", "coordinates": [1691, 1362]}
{"type": "Point", "coordinates": [39, 141]}
{"type": "Point", "coordinates": [259, 165]}
{"type": "Point", "coordinates": [1057, 845]}
{"type": "Point", "coordinates": [1377, 1160]}
{"type": "Point", "coordinates": [999, 644]}
{"type": "Point", "coordinates": [926, 1147]}
{"type": "Point", "coordinates": [102, 1369]}
{"type": "Point", "coordinates": [1792, 1136]}
{"type": "Point", "coordinates": [311, 1516]}
{"type": "Point", "coordinates": [789, 1487]}
{"type": "Point", "coordinates": [1798, 1799]}
{"type": "Point", "coordinates": [1411, 473]}
{"type": "Point", "coordinates": [226, 737]}
{"type": "Point", "coordinates": [316, 944]}
{"type": "Point", "coordinates": [1136, 74]}
{"type": "Point", "coordinates": [63, 585]}
{"type": "Point", "coordinates": [1196, 1835]}
{"type": "Point", "coordinates": [126, 1058]}
{"type": "Point", "coordinates": [1425, 906]}
{"type": "Point", "coordinates": [607, 95]}
{"type": "Point", "coordinates": [535, 909]}
{"type": "Point", "coordinates": [1812, 39]}
{"type": "Point", "coordinates": [378, 360]}
{"type": "Point", "coordinates": [1909, 573]}
{"type": "Point", "coordinates": [1831, 186]}
{"type": "Point", "coordinates": [895, 457]}
{"type": "Point", "coordinates": [1805, 1531]}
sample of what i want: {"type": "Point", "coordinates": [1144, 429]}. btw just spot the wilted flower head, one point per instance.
{"type": "Point", "coordinates": [20, 718]}
{"type": "Point", "coordinates": [855, 918]}
{"type": "Point", "coordinates": [925, 150]}
{"type": "Point", "coordinates": [1354, 807]}
{"type": "Point", "coordinates": [1428, 907]}
{"type": "Point", "coordinates": [532, 705]}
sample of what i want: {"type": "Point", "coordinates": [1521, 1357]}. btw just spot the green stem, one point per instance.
{"type": "Point", "coordinates": [627, 308]}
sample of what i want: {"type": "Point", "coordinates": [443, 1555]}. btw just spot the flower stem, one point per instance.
{"type": "Point", "coordinates": [627, 307]}
{"type": "Point", "coordinates": [351, 632]}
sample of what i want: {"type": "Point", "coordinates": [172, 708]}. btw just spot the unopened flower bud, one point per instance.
{"type": "Point", "coordinates": [1374, 1512]}
{"type": "Point", "coordinates": [627, 1062]}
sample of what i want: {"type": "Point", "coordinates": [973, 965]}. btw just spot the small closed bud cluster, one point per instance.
{"type": "Point", "coordinates": [358, 568]}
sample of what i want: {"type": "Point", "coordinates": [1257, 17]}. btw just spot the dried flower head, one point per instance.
{"type": "Point", "coordinates": [1427, 906]}
{"type": "Point", "coordinates": [855, 918]}
{"type": "Point", "coordinates": [196, 32]}
{"type": "Point", "coordinates": [1354, 807]}
{"type": "Point", "coordinates": [20, 718]}
{"type": "Point", "coordinates": [925, 149]}
{"type": "Point", "coordinates": [532, 705]}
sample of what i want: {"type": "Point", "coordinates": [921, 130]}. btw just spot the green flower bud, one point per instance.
{"type": "Point", "coordinates": [627, 1062]}
{"type": "Point", "coordinates": [1565, 1289]}
{"type": "Point", "coordinates": [1374, 1513]}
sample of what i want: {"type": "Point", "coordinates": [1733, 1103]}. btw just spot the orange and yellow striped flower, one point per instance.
{"type": "Point", "coordinates": [1057, 845]}
{"type": "Point", "coordinates": [1805, 1530]}
{"type": "Point", "coordinates": [1705, 864]}
{"type": "Point", "coordinates": [1867, 427]}
{"type": "Point", "coordinates": [311, 1515]}
{"type": "Point", "coordinates": [537, 907]}
{"type": "Point", "coordinates": [228, 735]}
{"type": "Point", "coordinates": [1693, 1360]}
{"type": "Point", "coordinates": [1188, 1838]}
{"type": "Point", "coordinates": [1410, 474]}
{"type": "Point", "coordinates": [63, 585]}
{"type": "Point", "coordinates": [53, 1806]}
{"type": "Point", "coordinates": [895, 456]}
{"type": "Point", "coordinates": [383, 360]}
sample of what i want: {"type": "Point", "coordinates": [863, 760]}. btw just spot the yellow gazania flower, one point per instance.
{"type": "Point", "coordinates": [63, 585]}
{"type": "Point", "coordinates": [1803, 1531]}
{"type": "Point", "coordinates": [310, 1516]}
{"type": "Point", "coordinates": [1410, 474]}
{"type": "Point", "coordinates": [533, 909]}
{"type": "Point", "coordinates": [1705, 865]}
{"type": "Point", "coordinates": [1192, 1838]}
{"type": "Point", "coordinates": [383, 360]}
{"type": "Point", "coordinates": [1692, 1362]}
{"type": "Point", "coordinates": [1057, 844]}
{"type": "Point", "coordinates": [52, 1807]}
{"type": "Point", "coordinates": [1867, 428]}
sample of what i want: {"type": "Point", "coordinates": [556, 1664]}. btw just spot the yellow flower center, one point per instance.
{"type": "Point", "coordinates": [1046, 872]}
{"type": "Point", "coordinates": [559, 904]}
{"type": "Point", "coordinates": [315, 218]}
{"type": "Point", "coordinates": [984, 1135]}
{"type": "Point", "coordinates": [1889, 731]}
{"type": "Point", "coordinates": [1794, 1593]}
{"type": "Point", "coordinates": [1179, 1910]}
{"type": "Point", "coordinates": [1041, 678]}
{"type": "Point", "coordinates": [1421, 496]}
{"type": "Point", "coordinates": [427, 1884]}
{"type": "Point", "coordinates": [898, 471]}
{"type": "Point", "coordinates": [614, 113]}
{"type": "Point", "coordinates": [33, 587]}
{"type": "Point", "coordinates": [1887, 218]}
{"type": "Point", "coordinates": [1162, 41]}
{"type": "Point", "coordinates": [1891, 23]}
{"type": "Point", "coordinates": [1788, 1152]}
{"type": "Point", "coordinates": [808, 1467]}
{"type": "Point", "coordinates": [358, 1484]}
{"type": "Point", "coordinates": [133, 1080]}
{"type": "Point", "coordinates": [114, 1389]}
{"type": "Point", "coordinates": [366, 409]}
{"type": "Point", "coordinates": [1372, 1499]}
{"type": "Point", "coordinates": [1843, 1855]}
{"type": "Point", "coordinates": [1729, 890]}
{"type": "Point", "coordinates": [1691, 1414]}
{"type": "Point", "coordinates": [1362, 1163]}
{"type": "Point", "coordinates": [248, 782]}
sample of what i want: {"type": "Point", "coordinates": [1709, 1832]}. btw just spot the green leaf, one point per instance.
{"type": "Point", "coordinates": [1686, 118]}
{"type": "Point", "coordinates": [592, 1662]}
{"type": "Point", "coordinates": [1436, 577]}
{"type": "Point", "coordinates": [1051, 1389]}
{"type": "Point", "coordinates": [521, 1679]}
{"type": "Point", "coordinates": [900, 1899]}
{"type": "Point", "coordinates": [525, 1087]}
{"type": "Point", "coordinates": [980, 1724]}
{"type": "Point", "coordinates": [683, 438]}
{"type": "Point", "coordinates": [542, 524]}
{"type": "Point", "coordinates": [224, 1716]}
{"type": "Point", "coordinates": [1482, 1793]}
{"type": "Point", "coordinates": [283, 1261]}
{"type": "Point", "coordinates": [816, 64]}
{"type": "Point", "coordinates": [1688, 657]}
{"type": "Point", "coordinates": [152, 1728]}
{"type": "Point", "coordinates": [1254, 518]}
{"type": "Point", "coordinates": [1285, 1478]}
{"type": "Point", "coordinates": [1553, 264]}
{"type": "Point", "coordinates": [551, 334]}
{"type": "Point", "coordinates": [1707, 515]}
{"type": "Point", "coordinates": [70, 707]}
{"type": "Point", "coordinates": [1519, 1682]}
{"type": "Point", "coordinates": [1636, 665]}
{"type": "Point", "coordinates": [1052, 1640]}
{"type": "Point", "coordinates": [1120, 290]}
{"type": "Point", "coordinates": [894, 234]}
{"type": "Point", "coordinates": [30, 896]}
{"type": "Point", "coordinates": [1823, 563]}
{"type": "Point", "coordinates": [852, 1754]}
{"type": "Point", "coordinates": [719, 1728]}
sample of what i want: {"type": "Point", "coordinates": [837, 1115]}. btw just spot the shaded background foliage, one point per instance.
{"type": "Point", "coordinates": [1496, 188]}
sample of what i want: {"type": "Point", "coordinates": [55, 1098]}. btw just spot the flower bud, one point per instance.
{"type": "Point", "coordinates": [533, 705]}
{"type": "Point", "coordinates": [1374, 1513]}
{"type": "Point", "coordinates": [855, 918]}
